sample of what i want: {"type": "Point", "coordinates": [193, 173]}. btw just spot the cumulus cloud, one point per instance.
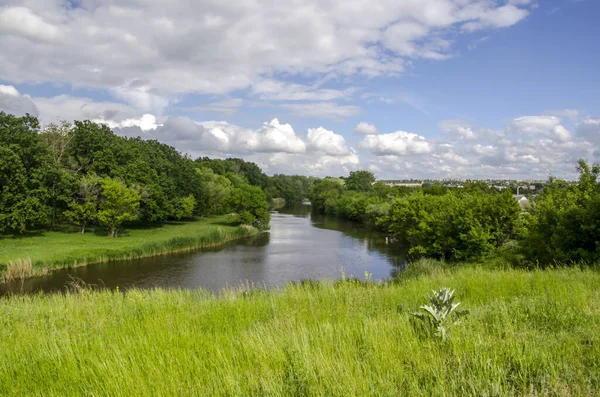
{"type": "Point", "coordinates": [146, 123]}
{"type": "Point", "coordinates": [327, 142]}
{"type": "Point", "coordinates": [364, 128]}
{"type": "Point", "coordinates": [11, 101]}
{"type": "Point", "coordinates": [148, 54]}
{"type": "Point", "coordinates": [66, 107]}
{"type": "Point", "coordinates": [396, 143]}
{"type": "Point", "coordinates": [533, 126]}
{"type": "Point", "coordinates": [272, 137]}
{"type": "Point", "coordinates": [589, 129]}
{"type": "Point", "coordinates": [458, 129]}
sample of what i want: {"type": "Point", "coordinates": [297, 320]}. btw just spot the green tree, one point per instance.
{"type": "Point", "coordinates": [23, 176]}
{"type": "Point", "coordinates": [564, 225]}
{"type": "Point", "coordinates": [324, 191]}
{"type": "Point", "coordinates": [84, 208]}
{"type": "Point", "coordinates": [185, 207]}
{"type": "Point", "coordinates": [118, 204]}
{"type": "Point", "coordinates": [250, 204]}
{"type": "Point", "coordinates": [360, 181]}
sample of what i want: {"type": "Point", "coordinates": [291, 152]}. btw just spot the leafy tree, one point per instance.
{"type": "Point", "coordinates": [23, 191]}
{"type": "Point", "coordinates": [360, 181]}
{"type": "Point", "coordinates": [119, 204]}
{"type": "Point", "coordinates": [250, 204]}
{"type": "Point", "coordinates": [185, 207]}
{"type": "Point", "coordinates": [564, 225]}
{"type": "Point", "coordinates": [84, 208]}
{"type": "Point", "coordinates": [81, 214]}
{"type": "Point", "coordinates": [213, 191]}
{"type": "Point", "coordinates": [325, 191]}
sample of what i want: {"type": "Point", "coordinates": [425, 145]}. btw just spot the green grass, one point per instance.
{"type": "Point", "coordinates": [35, 254]}
{"type": "Point", "coordinates": [529, 333]}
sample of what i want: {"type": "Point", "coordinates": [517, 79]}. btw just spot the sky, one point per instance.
{"type": "Point", "coordinates": [403, 88]}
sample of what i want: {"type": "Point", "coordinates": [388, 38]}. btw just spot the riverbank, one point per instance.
{"type": "Point", "coordinates": [25, 256]}
{"type": "Point", "coordinates": [528, 332]}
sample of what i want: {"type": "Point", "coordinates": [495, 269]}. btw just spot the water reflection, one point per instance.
{"type": "Point", "coordinates": [300, 245]}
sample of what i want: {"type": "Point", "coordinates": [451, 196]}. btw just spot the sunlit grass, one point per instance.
{"type": "Point", "coordinates": [21, 256]}
{"type": "Point", "coordinates": [528, 333]}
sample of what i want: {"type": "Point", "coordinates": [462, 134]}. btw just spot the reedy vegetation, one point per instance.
{"type": "Point", "coordinates": [37, 255]}
{"type": "Point", "coordinates": [528, 333]}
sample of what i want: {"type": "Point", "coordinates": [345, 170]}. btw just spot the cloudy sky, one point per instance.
{"type": "Point", "coordinates": [405, 88]}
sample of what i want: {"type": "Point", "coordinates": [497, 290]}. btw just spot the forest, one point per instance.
{"type": "Point", "coordinates": [83, 174]}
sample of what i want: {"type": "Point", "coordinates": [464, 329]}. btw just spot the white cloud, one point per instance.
{"type": "Point", "coordinates": [149, 53]}
{"type": "Point", "coordinates": [11, 101]}
{"type": "Point", "coordinates": [572, 114]}
{"type": "Point", "coordinates": [274, 90]}
{"type": "Point", "coordinates": [323, 110]}
{"type": "Point", "coordinates": [396, 143]}
{"type": "Point", "coordinates": [533, 126]}
{"type": "Point", "coordinates": [364, 128]}
{"type": "Point", "coordinates": [327, 142]}
{"type": "Point", "coordinates": [228, 106]}
{"type": "Point", "coordinates": [272, 137]}
{"type": "Point", "coordinates": [65, 107]}
{"type": "Point", "coordinates": [146, 123]}
{"type": "Point", "coordinates": [21, 21]}
{"type": "Point", "coordinates": [457, 129]}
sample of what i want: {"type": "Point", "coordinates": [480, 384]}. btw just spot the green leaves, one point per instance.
{"type": "Point", "coordinates": [441, 314]}
{"type": "Point", "coordinates": [118, 204]}
{"type": "Point", "coordinates": [564, 225]}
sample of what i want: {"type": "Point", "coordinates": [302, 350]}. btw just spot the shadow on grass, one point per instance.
{"type": "Point", "coordinates": [24, 235]}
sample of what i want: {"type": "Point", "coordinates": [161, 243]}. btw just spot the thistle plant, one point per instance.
{"type": "Point", "coordinates": [441, 314]}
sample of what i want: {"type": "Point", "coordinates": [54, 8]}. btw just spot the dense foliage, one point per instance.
{"type": "Point", "coordinates": [85, 174]}
{"type": "Point", "coordinates": [562, 225]}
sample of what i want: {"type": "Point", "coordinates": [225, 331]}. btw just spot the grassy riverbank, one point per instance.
{"type": "Point", "coordinates": [528, 333]}
{"type": "Point", "coordinates": [22, 256]}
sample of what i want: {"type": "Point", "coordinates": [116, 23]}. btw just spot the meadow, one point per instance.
{"type": "Point", "coordinates": [528, 333]}
{"type": "Point", "coordinates": [31, 254]}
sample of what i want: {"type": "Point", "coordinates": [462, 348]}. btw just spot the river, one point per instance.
{"type": "Point", "coordinates": [300, 245]}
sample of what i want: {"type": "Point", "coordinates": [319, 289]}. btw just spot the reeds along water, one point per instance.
{"type": "Point", "coordinates": [24, 268]}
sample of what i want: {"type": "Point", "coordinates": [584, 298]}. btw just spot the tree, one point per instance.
{"type": "Point", "coordinates": [250, 204]}
{"type": "Point", "coordinates": [564, 225]}
{"type": "Point", "coordinates": [185, 207]}
{"type": "Point", "coordinates": [119, 204]}
{"type": "Point", "coordinates": [83, 210]}
{"type": "Point", "coordinates": [324, 191]}
{"type": "Point", "coordinates": [360, 181]}
{"type": "Point", "coordinates": [23, 190]}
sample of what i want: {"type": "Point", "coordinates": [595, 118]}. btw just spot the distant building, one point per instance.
{"type": "Point", "coordinates": [523, 201]}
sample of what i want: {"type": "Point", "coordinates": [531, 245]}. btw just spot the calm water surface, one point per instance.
{"type": "Point", "coordinates": [299, 246]}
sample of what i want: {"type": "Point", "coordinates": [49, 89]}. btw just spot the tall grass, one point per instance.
{"type": "Point", "coordinates": [58, 249]}
{"type": "Point", "coordinates": [18, 269]}
{"type": "Point", "coordinates": [528, 333]}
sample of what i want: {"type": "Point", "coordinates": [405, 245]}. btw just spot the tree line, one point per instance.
{"type": "Point", "coordinates": [84, 174]}
{"type": "Point", "coordinates": [561, 226]}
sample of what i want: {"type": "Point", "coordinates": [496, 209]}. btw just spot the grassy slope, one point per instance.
{"type": "Point", "coordinates": [533, 333]}
{"type": "Point", "coordinates": [57, 249]}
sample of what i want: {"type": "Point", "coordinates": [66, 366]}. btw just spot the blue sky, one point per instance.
{"type": "Point", "coordinates": [405, 88]}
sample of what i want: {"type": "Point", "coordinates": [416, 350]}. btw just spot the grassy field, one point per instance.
{"type": "Point", "coordinates": [528, 333]}
{"type": "Point", "coordinates": [21, 256]}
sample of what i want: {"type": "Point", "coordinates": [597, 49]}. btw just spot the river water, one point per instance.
{"type": "Point", "coordinates": [299, 246]}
